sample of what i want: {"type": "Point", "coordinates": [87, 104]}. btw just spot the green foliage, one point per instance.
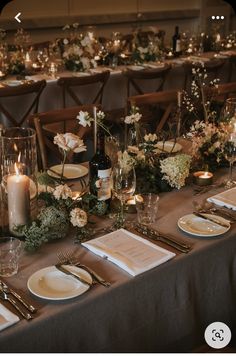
{"type": "Point", "coordinates": [51, 224]}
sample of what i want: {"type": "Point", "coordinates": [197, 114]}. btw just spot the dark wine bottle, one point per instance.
{"type": "Point", "coordinates": [176, 42]}
{"type": "Point", "coordinates": [100, 171]}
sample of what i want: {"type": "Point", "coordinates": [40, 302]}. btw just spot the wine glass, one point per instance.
{"type": "Point", "coordinates": [124, 184]}
{"type": "Point", "coordinates": [230, 156]}
{"type": "Point", "coordinates": [229, 113]}
{"type": "Point", "coordinates": [229, 116]}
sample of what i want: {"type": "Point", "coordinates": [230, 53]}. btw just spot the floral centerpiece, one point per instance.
{"type": "Point", "coordinates": [209, 134]}
{"type": "Point", "coordinates": [79, 50]}
{"type": "Point", "coordinates": [60, 213]}
{"type": "Point", "coordinates": [17, 57]}
{"type": "Point", "coordinates": [209, 141]}
{"type": "Point", "coordinates": [156, 170]}
{"type": "Point", "coordinates": [146, 49]}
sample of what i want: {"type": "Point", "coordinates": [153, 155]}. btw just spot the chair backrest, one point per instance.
{"type": "Point", "coordinates": [48, 124]}
{"type": "Point", "coordinates": [96, 82]}
{"type": "Point", "coordinates": [137, 78]}
{"type": "Point", "coordinates": [25, 89]}
{"type": "Point", "coordinates": [232, 65]}
{"type": "Point", "coordinates": [212, 67]}
{"type": "Point", "coordinates": [166, 100]}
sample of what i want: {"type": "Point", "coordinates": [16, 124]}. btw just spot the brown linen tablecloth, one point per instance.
{"type": "Point", "coordinates": [163, 310]}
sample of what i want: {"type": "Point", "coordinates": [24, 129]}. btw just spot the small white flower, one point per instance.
{"type": "Point", "coordinates": [84, 118]}
{"type": "Point", "coordinates": [150, 137]}
{"type": "Point", "coordinates": [65, 41]}
{"type": "Point", "coordinates": [62, 191]}
{"type": "Point", "coordinates": [78, 217]}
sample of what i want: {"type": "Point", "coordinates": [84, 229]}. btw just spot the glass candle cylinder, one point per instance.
{"type": "Point", "coordinates": [18, 173]}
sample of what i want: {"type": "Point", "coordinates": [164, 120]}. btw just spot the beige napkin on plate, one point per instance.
{"type": "Point", "coordinates": [7, 318]}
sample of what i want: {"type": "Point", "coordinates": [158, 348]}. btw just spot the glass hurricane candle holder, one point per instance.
{"type": "Point", "coordinates": [18, 172]}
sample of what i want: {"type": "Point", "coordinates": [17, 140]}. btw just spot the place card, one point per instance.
{"type": "Point", "coordinates": [128, 251]}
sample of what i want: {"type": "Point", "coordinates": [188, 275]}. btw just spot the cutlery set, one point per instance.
{"type": "Point", "coordinates": [158, 236]}
{"type": "Point", "coordinates": [69, 259]}
{"type": "Point", "coordinates": [17, 301]}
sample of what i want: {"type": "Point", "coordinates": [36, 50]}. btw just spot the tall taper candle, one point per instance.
{"type": "Point", "coordinates": [18, 200]}
{"type": "Point", "coordinates": [95, 128]}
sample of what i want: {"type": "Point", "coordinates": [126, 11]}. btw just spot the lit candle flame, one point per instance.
{"type": "Point", "coordinates": [16, 169]}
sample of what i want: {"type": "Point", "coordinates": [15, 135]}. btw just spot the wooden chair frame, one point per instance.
{"type": "Point", "coordinates": [166, 98]}
{"type": "Point", "coordinates": [68, 85]}
{"type": "Point", "coordinates": [24, 89]}
{"type": "Point", "coordinates": [133, 76]}
{"type": "Point", "coordinates": [44, 135]}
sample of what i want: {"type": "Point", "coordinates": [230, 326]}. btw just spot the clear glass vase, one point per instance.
{"type": "Point", "coordinates": [18, 174]}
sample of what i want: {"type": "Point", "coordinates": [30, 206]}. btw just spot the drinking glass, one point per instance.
{"type": "Point", "coordinates": [18, 176]}
{"type": "Point", "coordinates": [229, 113]}
{"type": "Point", "coordinates": [124, 184]}
{"type": "Point", "coordinates": [229, 116]}
{"type": "Point", "coordinates": [230, 156]}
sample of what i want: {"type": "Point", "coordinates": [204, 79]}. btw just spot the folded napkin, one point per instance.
{"type": "Point", "coordinates": [7, 318]}
{"type": "Point", "coordinates": [226, 198]}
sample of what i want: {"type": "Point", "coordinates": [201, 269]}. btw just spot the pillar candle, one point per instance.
{"type": "Point", "coordinates": [95, 128]}
{"type": "Point", "coordinates": [18, 200]}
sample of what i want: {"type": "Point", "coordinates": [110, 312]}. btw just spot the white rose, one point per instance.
{"type": "Point", "coordinates": [78, 217]}
{"type": "Point", "coordinates": [69, 142]}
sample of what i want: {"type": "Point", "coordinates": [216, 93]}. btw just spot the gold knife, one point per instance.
{"type": "Point", "coordinates": [70, 273]}
{"type": "Point", "coordinates": [169, 240]}
{"type": "Point", "coordinates": [212, 219]}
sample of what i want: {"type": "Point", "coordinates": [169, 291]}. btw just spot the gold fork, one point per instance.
{"type": "Point", "coordinates": [67, 257]}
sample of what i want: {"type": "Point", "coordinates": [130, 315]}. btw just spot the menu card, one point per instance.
{"type": "Point", "coordinates": [130, 252]}
{"type": "Point", "coordinates": [7, 318]}
{"type": "Point", "coordinates": [226, 198]}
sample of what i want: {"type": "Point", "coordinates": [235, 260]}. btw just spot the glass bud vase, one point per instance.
{"type": "Point", "coordinates": [18, 174]}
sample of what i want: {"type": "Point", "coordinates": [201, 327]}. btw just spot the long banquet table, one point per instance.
{"type": "Point", "coordinates": [115, 91]}
{"type": "Point", "coordinates": [163, 310]}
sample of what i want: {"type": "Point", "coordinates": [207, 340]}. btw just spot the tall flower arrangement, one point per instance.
{"type": "Point", "coordinates": [78, 49]}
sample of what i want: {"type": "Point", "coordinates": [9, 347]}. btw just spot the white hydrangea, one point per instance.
{"type": "Point", "coordinates": [62, 191]}
{"type": "Point", "coordinates": [175, 169]}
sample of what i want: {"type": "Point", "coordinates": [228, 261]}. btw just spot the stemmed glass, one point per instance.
{"type": "Point", "coordinates": [124, 184]}
{"type": "Point", "coordinates": [229, 116]}
{"type": "Point", "coordinates": [230, 156]}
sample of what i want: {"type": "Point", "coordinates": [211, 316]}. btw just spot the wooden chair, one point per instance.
{"type": "Point", "coordinates": [96, 83]}
{"type": "Point", "coordinates": [48, 124]}
{"type": "Point", "coordinates": [232, 66]}
{"type": "Point", "coordinates": [135, 78]}
{"type": "Point", "coordinates": [212, 69]}
{"type": "Point", "coordinates": [164, 100]}
{"type": "Point", "coordinates": [34, 89]}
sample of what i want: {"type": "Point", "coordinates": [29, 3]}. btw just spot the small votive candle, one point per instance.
{"type": "Point", "coordinates": [203, 178]}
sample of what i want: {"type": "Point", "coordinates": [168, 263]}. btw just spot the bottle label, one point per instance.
{"type": "Point", "coordinates": [178, 46]}
{"type": "Point", "coordinates": [103, 184]}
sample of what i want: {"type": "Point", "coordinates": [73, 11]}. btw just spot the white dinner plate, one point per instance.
{"type": "Point", "coordinates": [71, 171]}
{"type": "Point", "coordinates": [169, 146]}
{"type": "Point", "coordinates": [13, 83]}
{"type": "Point", "coordinates": [50, 283]}
{"type": "Point", "coordinates": [133, 67]}
{"type": "Point", "coordinates": [198, 226]}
